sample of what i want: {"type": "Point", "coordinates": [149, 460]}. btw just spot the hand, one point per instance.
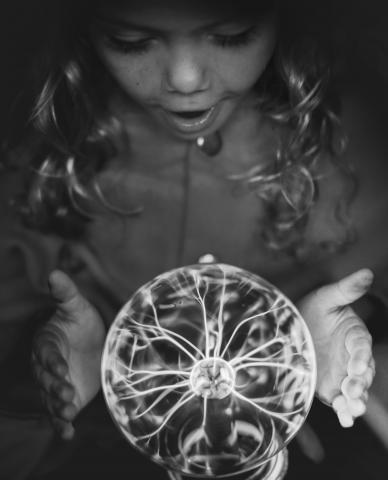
{"type": "Point", "coordinates": [343, 345]}
{"type": "Point", "coordinates": [66, 354]}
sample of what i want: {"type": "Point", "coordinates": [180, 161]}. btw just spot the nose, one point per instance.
{"type": "Point", "coordinates": [187, 71]}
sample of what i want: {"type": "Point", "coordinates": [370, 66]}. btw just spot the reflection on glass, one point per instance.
{"type": "Point", "coordinates": [209, 370]}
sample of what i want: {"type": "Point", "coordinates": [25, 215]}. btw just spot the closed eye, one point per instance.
{"type": "Point", "coordinates": [235, 40]}
{"type": "Point", "coordinates": [129, 46]}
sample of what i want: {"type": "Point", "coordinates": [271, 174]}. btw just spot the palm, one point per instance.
{"type": "Point", "coordinates": [66, 354]}
{"type": "Point", "coordinates": [342, 343]}
{"type": "Point", "coordinates": [332, 356]}
{"type": "Point", "coordinates": [80, 341]}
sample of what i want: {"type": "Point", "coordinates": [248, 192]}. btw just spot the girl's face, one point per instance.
{"type": "Point", "coordinates": [188, 63]}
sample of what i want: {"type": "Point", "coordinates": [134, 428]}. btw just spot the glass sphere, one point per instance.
{"type": "Point", "coordinates": [209, 370]}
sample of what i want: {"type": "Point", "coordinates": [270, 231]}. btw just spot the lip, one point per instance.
{"type": "Point", "coordinates": [190, 125]}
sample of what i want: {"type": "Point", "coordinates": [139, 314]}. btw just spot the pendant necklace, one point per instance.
{"type": "Point", "coordinates": [211, 145]}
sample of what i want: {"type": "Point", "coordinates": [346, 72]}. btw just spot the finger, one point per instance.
{"type": "Point", "coordinates": [67, 412]}
{"type": "Point", "coordinates": [63, 410]}
{"type": "Point", "coordinates": [45, 380]}
{"type": "Point", "coordinates": [66, 294]}
{"type": "Point", "coordinates": [368, 376]}
{"type": "Point", "coordinates": [50, 358]}
{"type": "Point", "coordinates": [52, 386]}
{"type": "Point", "coordinates": [57, 365]}
{"type": "Point", "coordinates": [64, 428]}
{"type": "Point", "coordinates": [63, 289]}
{"type": "Point", "coordinates": [356, 407]}
{"type": "Point", "coordinates": [358, 337]}
{"type": "Point", "coordinates": [340, 404]}
{"type": "Point", "coordinates": [345, 419]}
{"type": "Point", "coordinates": [349, 289]}
{"type": "Point", "coordinates": [364, 397]}
{"type": "Point", "coordinates": [43, 347]}
{"type": "Point", "coordinates": [348, 409]}
{"type": "Point", "coordinates": [358, 363]}
{"type": "Point", "coordinates": [63, 391]}
{"type": "Point", "coordinates": [353, 387]}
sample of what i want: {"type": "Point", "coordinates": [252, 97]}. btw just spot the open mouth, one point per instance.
{"type": "Point", "coordinates": [190, 115]}
{"type": "Point", "coordinates": [190, 121]}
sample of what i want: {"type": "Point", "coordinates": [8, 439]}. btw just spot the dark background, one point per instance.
{"type": "Point", "coordinates": [359, 32]}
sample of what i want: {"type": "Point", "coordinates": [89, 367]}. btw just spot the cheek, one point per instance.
{"type": "Point", "coordinates": [242, 73]}
{"type": "Point", "coordinates": [137, 79]}
{"type": "Point", "coordinates": [243, 70]}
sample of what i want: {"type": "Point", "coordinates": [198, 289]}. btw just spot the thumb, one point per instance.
{"type": "Point", "coordinates": [348, 289]}
{"type": "Point", "coordinates": [64, 291]}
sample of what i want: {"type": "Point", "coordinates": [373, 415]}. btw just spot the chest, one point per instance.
{"type": "Point", "coordinates": [183, 215]}
{"type": "Point", "coordinates": [188, 206]}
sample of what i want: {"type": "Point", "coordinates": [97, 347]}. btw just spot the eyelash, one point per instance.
{"type": "Point", "coordinates": [237, 40]}
{"type": "Point", "coordinates": [142, 46]}
{"type": "Point", "coordinates": [126, 46]}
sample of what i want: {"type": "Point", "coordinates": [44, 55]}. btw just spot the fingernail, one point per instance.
{"type": "Point", "coordinates": [367, 278]}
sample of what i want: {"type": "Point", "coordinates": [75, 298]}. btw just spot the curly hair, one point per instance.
{"type": "Point", "coordinates": [74, 135]}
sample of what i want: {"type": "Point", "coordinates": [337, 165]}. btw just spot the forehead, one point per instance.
{"type": "Point", "coordinates": [157, 11]}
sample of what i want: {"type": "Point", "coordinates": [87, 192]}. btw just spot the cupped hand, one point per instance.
{"type": "Point", "coordinates": [66, 354]}
{"type": "Point", "coordinates": [343, 345]}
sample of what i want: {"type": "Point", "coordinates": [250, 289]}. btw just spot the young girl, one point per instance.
{"type": "Point", "coordinates": [163, 132]}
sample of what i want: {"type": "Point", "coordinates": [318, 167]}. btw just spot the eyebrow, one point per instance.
{"type": "Point", "coordinates": [117, 22]}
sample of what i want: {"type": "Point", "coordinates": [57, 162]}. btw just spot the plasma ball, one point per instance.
{"type": "Point", "coordinates": [209, 370]}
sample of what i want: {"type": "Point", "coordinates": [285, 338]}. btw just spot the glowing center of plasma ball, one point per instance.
{"type": "Point", "coordinates": [212, 378]}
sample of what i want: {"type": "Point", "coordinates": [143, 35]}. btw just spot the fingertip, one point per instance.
{"type": "Point", "coordinates": [345, 419]}
{"type": "Point", "coordinates": [61, 286]}
{"type": "Point", "coordinates": [68, 432]}
{"type": "Point", "coordinates": [351, 288]}
{"type": "Point", "coordinates": [68, 412]}
{"type": "Point", "coordinates": [56, 277]}
{"type": "Point", "coordinates": [53, 280]}
{"type": "Point", "coordinates": [363, 278]}
{"type": "Point", "coordinates": [63, 428]}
